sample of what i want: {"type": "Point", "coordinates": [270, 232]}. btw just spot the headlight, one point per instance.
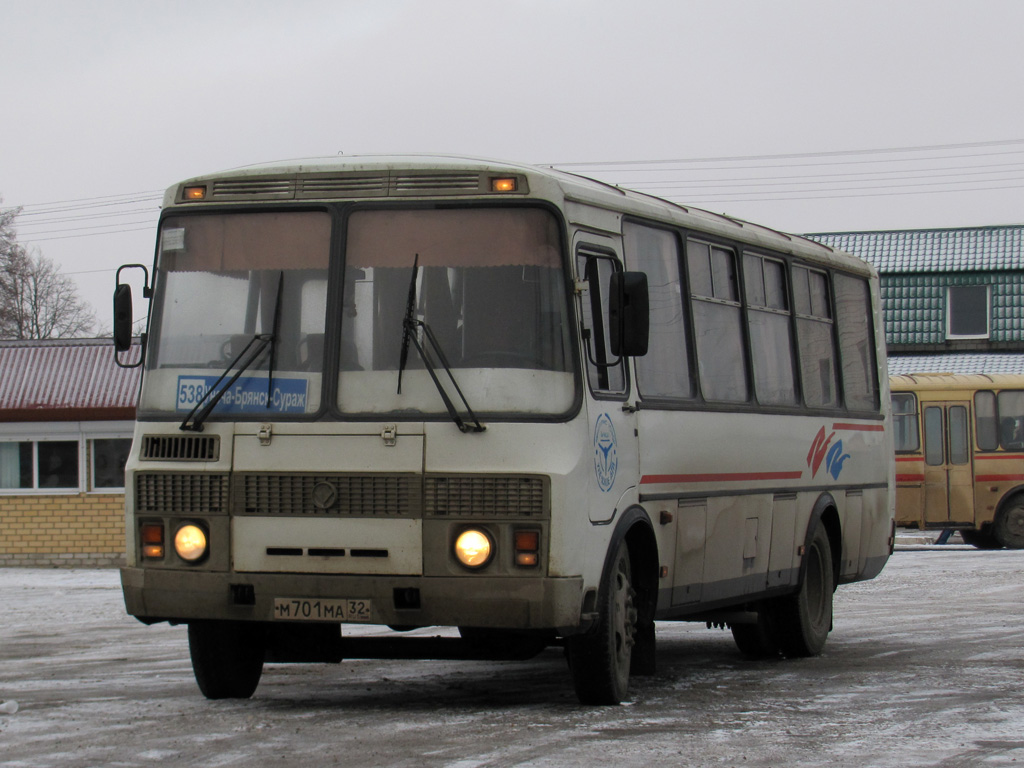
{"type": "Point", "coordinates": [474, 548]}
{"type": "Point", "coordinates": [190, 543]}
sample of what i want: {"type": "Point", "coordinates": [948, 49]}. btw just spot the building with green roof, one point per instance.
{"type": "Point", "coordinates": [953, 299]}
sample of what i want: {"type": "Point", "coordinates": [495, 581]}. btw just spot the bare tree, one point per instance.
{"type": "Point", "coordinates": [36, 300]}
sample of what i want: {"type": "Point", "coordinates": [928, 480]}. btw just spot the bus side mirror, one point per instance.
{"type": "Point", "coordinates": [629, 315]}
{"type": "Point", "coordinates": [122, 317]}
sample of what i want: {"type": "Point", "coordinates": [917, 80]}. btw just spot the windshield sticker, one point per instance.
{"type": "Point", "coordinates": [247, 395]}
{"type": "Point", "coordinates": [606, 459]}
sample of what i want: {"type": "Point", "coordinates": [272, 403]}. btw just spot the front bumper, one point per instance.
{"type": "Point", "coordinates": [154, 595]}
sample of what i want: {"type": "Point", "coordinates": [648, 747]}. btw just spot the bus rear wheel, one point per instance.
{"type": "Point", "coordinates": [1008, 527]}
{"type": "Point", "coordinates": [801, 622]}
{"type": "Point", "coordinates": [599, 660]}
{"type": "Point", "coordinates": [227, 657]}
{"type": "Point", "coordinates": [980, 539]}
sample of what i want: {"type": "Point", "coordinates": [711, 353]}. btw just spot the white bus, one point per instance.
{"type": "Point", "coordinates": [431, 391]}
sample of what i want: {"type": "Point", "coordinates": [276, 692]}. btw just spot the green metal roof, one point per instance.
{"type": "Point", "coordinates": [969, 249]}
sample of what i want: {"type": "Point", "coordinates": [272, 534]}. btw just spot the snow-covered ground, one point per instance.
{"type": "Point", "coordinates": [925, 666]}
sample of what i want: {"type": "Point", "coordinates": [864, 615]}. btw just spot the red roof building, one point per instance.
{"type": "Point", "coordinates": [65, 380]}
{"type": "Point", "coordinates": [66, 420]}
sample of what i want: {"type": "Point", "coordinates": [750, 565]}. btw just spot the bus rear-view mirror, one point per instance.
{"type": "Point", "coordinates": [629, 313]}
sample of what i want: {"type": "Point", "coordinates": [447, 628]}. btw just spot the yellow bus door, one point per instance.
{"type": "Point", "coordinates": [948, 477]}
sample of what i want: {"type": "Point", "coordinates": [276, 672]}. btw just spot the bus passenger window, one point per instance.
{"type": "Point", "coordinates": [721, 360]}
{"type": "Point", "coordinates": [665, 370]}
{"type": "Point", "coordinates": [814, 338]}
{"type": "Point", "coordinates": [768, 321]}
{"type": "Point", "coordinates": [1011, 419]}
{"type": "Point", "coordinates": [904, 421]}
{"type": "Point", "coordinates": [985, 420]}
{"type": "Point", "coordinates": [853, 313]}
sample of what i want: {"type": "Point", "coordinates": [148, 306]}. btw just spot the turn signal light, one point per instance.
{"type": "Point", "coordinates": [152, 535]}
{"type": "Point", "coordinates": [527, 547]}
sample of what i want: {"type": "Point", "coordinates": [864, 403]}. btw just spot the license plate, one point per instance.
{"type": "Point", "coordinates": [306, 609]}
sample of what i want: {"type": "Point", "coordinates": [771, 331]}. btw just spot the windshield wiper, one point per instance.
{"type": "Point", "coordinates": [275, 329]}
{"type": "Point", "coordinates": [255, 347]}
{"type": "Point", "coordinates": [256, 344]}
{"type": "Point", "coordinates": [409, 334]}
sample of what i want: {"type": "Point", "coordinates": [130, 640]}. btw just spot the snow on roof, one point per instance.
{"type": "Point", "coordinates": [960, 363]}
{"type": "Point", "coordinates": [65, 379]}
{"type": "Point", "coordinates": [973, 249]}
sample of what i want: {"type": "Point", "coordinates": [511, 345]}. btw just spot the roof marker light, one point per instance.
{"type": "Point", "coordinates": [504, 185]}
{"type": "Point", "coordinates": [194, 193]}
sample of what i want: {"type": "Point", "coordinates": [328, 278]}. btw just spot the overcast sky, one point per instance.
{"type": "Point", "coordinates": [804, 115]}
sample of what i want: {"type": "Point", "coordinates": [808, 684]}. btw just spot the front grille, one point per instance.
{"type": "Point", "coordinates": [180, 493]}
{"type": "Point", "coordinates": [180, 448]}
{"type": "Point", "coordinates": [335, 495]}
{"type": "Point", "coordinates": [492, 496]}
{"type": "Point", "coordinates": [340, 495]}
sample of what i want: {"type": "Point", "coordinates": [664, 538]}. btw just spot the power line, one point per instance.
{"type": "Point", "coordinates": [89, 216]}
{"type": "Point", "coordinates": [795, 155]}
{"type": "Point", "coordinates": [148, 195]}
{"type": "Point", "coordinates": [90, 234]}
{"type": "Point", "coordinates": [736, 197]}
{"type": "Point", "coordinates": [807, 181]}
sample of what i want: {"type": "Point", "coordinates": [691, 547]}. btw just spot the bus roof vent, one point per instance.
{"type": "Point", "coordinates": [436, 183]}
{"type": "Point", "coordinates": [250, 189]}
{"type": "Point", "coordinates": [180, 448]}
{"type": "Point", "coordinates": [352, 185]}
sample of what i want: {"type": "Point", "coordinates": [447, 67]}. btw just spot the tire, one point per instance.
{"type": "Point", "coordinates": [756, 641]}
{"type": "Point", "coordinates": [599, 660]}
{"type": "Point", "coordinates": [1008, 527]}
{"type": "Point", "coordinates": [980, 539]}
{"type": "Point", "coordinates": [800, 623]}
{"type": "Point", "coordinates": [227, 657]}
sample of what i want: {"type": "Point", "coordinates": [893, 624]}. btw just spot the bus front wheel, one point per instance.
{"type": "Point", "coordinates": [227, 657]}
{"type": "Point", "coordinates": [802, 621]}
{"type": "Point", "coordinates": [1008, 527]}
{"type": "Point", "coordinates": [599, 660]}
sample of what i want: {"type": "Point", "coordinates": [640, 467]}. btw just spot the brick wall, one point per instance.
{"type": "Point", "coordinates": [85, 529]}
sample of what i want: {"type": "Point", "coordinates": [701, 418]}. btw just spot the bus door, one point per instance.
{"type": "Point", "coordinates": [948, 474]}
{"type": "Point", "coordinates": [612, 428]}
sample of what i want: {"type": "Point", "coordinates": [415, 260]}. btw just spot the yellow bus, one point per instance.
{"type": "Point", "coordinates": [959, 441]}
{"type": "Point", "coordinates": [427, 391]}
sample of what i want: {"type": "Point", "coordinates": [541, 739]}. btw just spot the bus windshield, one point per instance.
{"type": "Point", "coordinates": [247, 293]}
{"type": "Point", "coordinates": [225, 280]}
{"type": "Point", "coordinates": [490, 287]}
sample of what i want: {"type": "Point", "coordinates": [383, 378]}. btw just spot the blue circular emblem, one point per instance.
{"type": "Point", "coordinates": [606, 459]}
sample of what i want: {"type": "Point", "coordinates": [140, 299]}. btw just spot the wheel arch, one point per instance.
{"type": "Point", "coordinates": [1013, 495]}
{"type": "Point", "coordinates": [826, 513]}
{"type": "Point", "coordinates": [637, 530]}
{"type": "Point", "coordinates": [1004, 536]}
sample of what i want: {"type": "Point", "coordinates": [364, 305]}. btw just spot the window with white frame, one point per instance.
{"type": "Point", "coordinates": [967, 312]}
{"type": "Point", "coordinates": [39, 464]}
{"type": "Point", "coordinates": [59, 460]}
{"type": "Point", "coordinates": [108, 456]}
